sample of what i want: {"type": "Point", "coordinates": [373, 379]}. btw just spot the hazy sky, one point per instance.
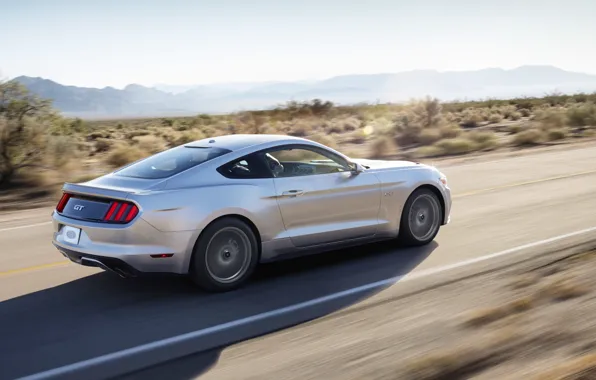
{"type": "Point", "coordinates": [101, 43]}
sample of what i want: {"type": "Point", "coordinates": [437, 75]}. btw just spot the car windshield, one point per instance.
{"type": "Point", "coordinates": [170, 162]}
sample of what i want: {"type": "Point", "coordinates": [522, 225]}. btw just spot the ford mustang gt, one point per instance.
{"type": "Point", "coordinates": [215, 208]}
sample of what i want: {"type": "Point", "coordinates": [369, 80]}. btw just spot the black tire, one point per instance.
{"type": "Point", "coordinates": [213, 255]}
{"type": "Point", "coordinates": [422, 207]}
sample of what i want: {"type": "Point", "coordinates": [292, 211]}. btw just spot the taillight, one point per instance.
{"type": "Point", "coordinates": [121, 212]}
{"type": "Point", "coordinates": [63, 201]}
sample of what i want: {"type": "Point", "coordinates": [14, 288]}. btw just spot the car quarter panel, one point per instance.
{"type": "Point", "coordinates": [195, 207]}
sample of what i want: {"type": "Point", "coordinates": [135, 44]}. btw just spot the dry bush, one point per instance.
{"type": "Point", "coordinates": [525, 112]}
{"type": "Point", "coordinates": [123, 155]}
{"type": "Point", "coordinates": [59, 151]}
{"type": "Point", "coordinates": [95, 135]}
{"type": "Point", "coordinates": [527, 138]}
{"type": "Point", "coordinates": [515, 128]}
{"type": "Point", "coordinates": [495, 118]}
{"type": "Point", "coordinates": [556, 134]}
{"type": "Point", "coordinates": [507, 111]}
{"type": "Point", "coordinates": [323, 139]}
{"type": "Point", "coordinates": [430, 136]}
{"type": "Point", "coordinates": [515, 116]}
{"type": "Point", "coordinates": [561, 289]}
{"type": "Point", "coordinates": [350, 124]}
{"type": "Point", "coordinates": [471, 119]}
{"type": "Point", "coordinates": [458, 145]}
{"type": "Point", "coordinates": [357, 137]}
{"type": "Point", "coordinates": [429, 151]}
{"type": "Point", "coordinates": [130, 135]}
{"type": "Point", "coordinates": [583, 115]}
{"type": "Point", "coordinates": [102, 145]}
{"type": "Point", "coordinates": [450, 131]}
{"type": "Point", "coordinates": [300, 128]}
{"type": "Point", "coordinates": [551, 119]}
{"type": "Point", "coordinates": [483, 317]}
{"type": "Point", "coordinates": [482, 139]}
{"type": "Point", "coordinates": [382, 147]}
{"type": "Point", "coordinates": [150, 144]}
{"type": "Point", "coordinates": [188, 137]}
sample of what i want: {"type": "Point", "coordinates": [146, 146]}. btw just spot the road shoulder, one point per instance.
{"type": "Point", "coordinates": [467, 321]}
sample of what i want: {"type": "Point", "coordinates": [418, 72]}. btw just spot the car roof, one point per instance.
{"type": "Point", "coordinates": [241, 141]}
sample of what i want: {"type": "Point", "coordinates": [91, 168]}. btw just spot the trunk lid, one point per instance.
{"type": "Point", "coordinates": [105, 198]}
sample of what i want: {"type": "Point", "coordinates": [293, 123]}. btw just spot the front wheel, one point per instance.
{"type": "Point", "coordinates": [225, 256]}
{"type": "Point", "coordinates": [421, 218]}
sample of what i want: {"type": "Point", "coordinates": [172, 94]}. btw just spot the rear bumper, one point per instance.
{"type": "Point", "coordinates": [125, 249]}
{"type": "Point", "coordinates": [109, 264]}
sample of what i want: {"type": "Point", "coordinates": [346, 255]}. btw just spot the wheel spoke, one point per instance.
{"type": "Point", "coordinates": [424, 217]}
{"type": "Point", "coordinates": [228, 254]}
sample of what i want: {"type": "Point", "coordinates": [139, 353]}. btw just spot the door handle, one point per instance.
{"type": "Point", "coordinates": [292, 193]}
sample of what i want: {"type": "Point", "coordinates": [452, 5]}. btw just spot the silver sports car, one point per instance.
{"type": "Point", "coordinates": [215, 208]}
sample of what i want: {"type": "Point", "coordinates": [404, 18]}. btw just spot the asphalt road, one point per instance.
{"type": "Point", "coordinates": [54, 313]}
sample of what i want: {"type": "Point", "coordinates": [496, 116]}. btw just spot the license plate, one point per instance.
{"type": "Point", "coordinates": [71, 234]}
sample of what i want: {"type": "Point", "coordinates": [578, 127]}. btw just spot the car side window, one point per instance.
{"type": "Point", "coordinates": [304, 161]}
{"type": "Point", "coordinates": [250, 167]}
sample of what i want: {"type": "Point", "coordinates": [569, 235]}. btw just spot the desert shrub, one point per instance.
{"type": "Point", "coordinates": [427, 112]}
{"type": "Point", "coordinates": [139, 132]}
{"type": "Point", "coordinates": [471, 119]}
{"type": "Point", "coordinates": [429, 136]}
{"type": "Point", "coordinates": [551, 119]}
{"type": "Point", "coordinates": [150, 144]}
{"type": "Point", "coordinates": [515, 116]}
{"type": "Point", "coordinates": [59, 151]}
{"type": "Point", "coordinates": [556, 134]}
{"type": "Point", "coordinates": [515, 128]}
{"type": "Point", "coordinates": [450, 131]}
{"type": "Point", "coordinates": [350, 124]}
{"type": "Point", "coordinates": [429, 151]}
{"type": "Point", "coordinates": [482, 139]}
{"type": "Point", "coordinates": [583, 115]}
{"type": "Point", "coordinates": [357, 137]}
{"type": "Point", "coordinates": [382, 147]}
{"type": "Point", "coordinates": [495, 118]}
{"type": "Point", "coordinates": [527, 137]}
{"type": "Point", "coordinates": [525, 112]}
{"type": "Point", "coordinates": [95, 135]}
{"type": "Point", "coordinates": [507, 111]}
{"type": "Point", "coordinates": [406, 129]}
{"type": "Point", "coordinates": [102, 145]}
{"type": "Point", "coordinates": [188, 137]}
{"type": "Point", "coordinates": [123, 155]}
{"type": "Point", "coordinates": [323, 139]}
{"type": "Point", "coordinates": [458, 145]}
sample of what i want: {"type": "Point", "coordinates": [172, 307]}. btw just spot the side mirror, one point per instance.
{"type": "Point", "coordinates": [356, 168]}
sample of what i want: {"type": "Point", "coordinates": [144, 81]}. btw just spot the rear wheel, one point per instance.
{"type": "Point", "coordinates": [421, 218]}
{"type": "Point", "coordinates": [225, 256]}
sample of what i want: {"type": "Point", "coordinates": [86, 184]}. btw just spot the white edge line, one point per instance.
{"type": "Point", "coordinates": [258, 317]}
{"type": "Point", "coordinates": [27, 226]}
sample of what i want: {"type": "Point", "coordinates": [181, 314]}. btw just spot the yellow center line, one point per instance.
{"type": "Point", "coordinates": [518, 184]}
{"type": "Point", "coordinates": [461, 195]}
{"type": "Point", "coordinates": [33, 268]}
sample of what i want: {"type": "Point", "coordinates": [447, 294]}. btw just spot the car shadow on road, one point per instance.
{"type": "Point", "coordinates": [102, 314]}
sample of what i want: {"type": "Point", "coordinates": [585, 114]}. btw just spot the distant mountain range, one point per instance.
{"type": "Point", "coordinates": [169, 100]}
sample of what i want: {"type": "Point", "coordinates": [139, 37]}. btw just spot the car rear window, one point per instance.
{"type": "Point", "coordinates": [171, 162]}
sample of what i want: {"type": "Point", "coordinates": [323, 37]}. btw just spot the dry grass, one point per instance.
{"type": "Point", "coordinates": [483, 317]}
{"type": "Point", "coordinates": [528, 137]}
{"type": "Point", "coordinates": [123, 155]}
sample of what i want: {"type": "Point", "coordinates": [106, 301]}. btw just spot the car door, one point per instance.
{"type": "Point", "coordinates": [321, 200]}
